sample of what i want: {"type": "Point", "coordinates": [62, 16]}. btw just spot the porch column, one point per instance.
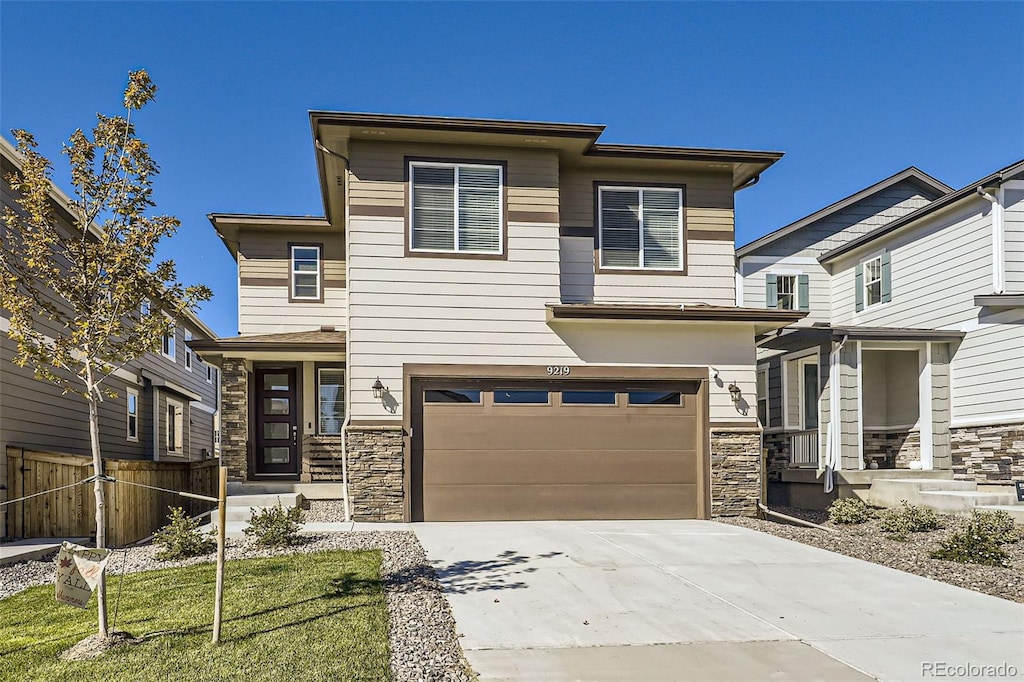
{"type": "Point", "coordinates": [939, 403]}
{"type": "Point", "coordinates": [234, 421]}
{"type": "Point", "coordinates": [849, 406]}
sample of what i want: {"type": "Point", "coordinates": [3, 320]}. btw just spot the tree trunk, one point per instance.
{"type": "Point", "coordinates": [101, 508]}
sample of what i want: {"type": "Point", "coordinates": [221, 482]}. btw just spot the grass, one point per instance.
{"type": "Point", "coordinates": [318, 616]}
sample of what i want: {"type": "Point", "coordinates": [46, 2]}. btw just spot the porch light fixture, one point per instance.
{"type": "Point", "coordinates": [735, 392]}
{"type": "Point", "coordinates": [378, 389]}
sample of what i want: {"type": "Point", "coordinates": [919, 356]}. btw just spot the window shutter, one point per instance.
{"type": "Point", "coordinates": [661, 228]}
{"type": "Point", "coordinates": [859, 286]}
{"type": "Point", "coordinates": [620, 228]}
{"type": "Point", "coordinates": [804, 292]}
{"type": "Point", "coordinates": [886, 277]}
{"type": "Point", "coordinates": [433, 208]}
{"type": "Point", "coordinates": [479, 209]}
{"type": "Point", "coordinates": [771, 291]}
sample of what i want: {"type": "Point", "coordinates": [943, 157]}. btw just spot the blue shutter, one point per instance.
{"type": "Point", "coordinates": [886, 277]}
{"type": "Point", "coordinates": [771, 291]}
{"type": "Point", "coordinates": [859, 285]}
{"type": "Point", "coordinates": [803, 292]}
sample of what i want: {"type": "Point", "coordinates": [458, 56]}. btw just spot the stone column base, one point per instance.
{"type": "Point", "coordinates": [735, 472]}
{"type": "Point", "coordinates": [376, 472]}
{"type": "Point", "coordinates": [988, 454]}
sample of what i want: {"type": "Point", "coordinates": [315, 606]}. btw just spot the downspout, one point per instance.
{"type": "Point", "coordinates": [348, 320]}
{"type": "Point", "coordinates": [998, 246]}
{"type": "Point", "coordinates": [833, 441]}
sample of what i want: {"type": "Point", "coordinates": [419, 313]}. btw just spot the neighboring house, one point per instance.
{"type": "Point", "coordinates": [914, 341]}
{"type": "Point", "coordinates": [166, 404]}
{"type": "Point", "coordinates": [505, 319]}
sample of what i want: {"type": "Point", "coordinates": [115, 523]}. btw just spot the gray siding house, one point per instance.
{"type": "Point", "coordinates": [913, 345]}
{"type": "Point", "coordinates": [166, 407]}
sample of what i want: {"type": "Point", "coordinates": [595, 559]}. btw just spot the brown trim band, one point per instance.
{"type": "Point", "coordinates": [623, 373]}
{"type": "Point", "coordinates": [377, 211]}
{"type": "Point", "coordinates": [263, 281]}
{"type": "Point", "coordinates": [588, 311]}
{"type": "Point", "coordinates": [711, 235]}
{"type": "Point", "coordinates": [533, 217]}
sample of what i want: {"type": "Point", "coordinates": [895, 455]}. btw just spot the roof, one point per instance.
{"type": "Point", "coordinates": [324, 339]}
{"type": "Point", "coordinates": [10, 153]}
{"type": "Point", "coordinates": [227, 225]}
{"type": "Point", "coordinates": [805, 337]}
{"type": "Point", "coordinates": [912, 174]}
{"type": "Point", "coordinates": [950, 199]}
{"type": "Point", "coordinates": [766, 319]}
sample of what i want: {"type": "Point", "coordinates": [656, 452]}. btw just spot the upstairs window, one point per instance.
{"type": "Point", "coordinates": [787, 292]}
{"type": "Point", "coordinates": [641, 228]}
{"type": "Point", "coordinates": [209, 374]}
{"type": "Point", "coordinates": [132, 427]}
{"type": "Point", "coordinates": [456, 208]}
{"type": "Point", "coordinates": [306, 272]}
{"type": "Point", "coordinates": [873, 281]}
{"type": "Point", "coordinates": [188, 351]}
{"type": "Point", "coordinates": [167, 346]}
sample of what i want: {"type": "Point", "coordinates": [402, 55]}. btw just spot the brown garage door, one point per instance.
{"type": "Point", "coordinates": [501, 450]}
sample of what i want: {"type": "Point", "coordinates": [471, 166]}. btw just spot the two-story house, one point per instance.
{"type": "Point", "coordinates": [498, 320]}
{"type": "Point", "coordinates": [913, 342]}
{"type": "Point", "coordinates": [166, 404]}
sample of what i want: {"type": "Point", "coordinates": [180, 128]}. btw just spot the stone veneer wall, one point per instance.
{"type": "Point", "coordinates": [735, 472]}
{"type": "Point", "coordinates": [777, 445]}
{"type": "Point", "coordinates": [988, 454]}
{"type": "Point", "coordinates": [234, 418]}
{"type": "Point", "coordinates": [376, 472]}
{"type": "Point", "coordinates": [894, 449]}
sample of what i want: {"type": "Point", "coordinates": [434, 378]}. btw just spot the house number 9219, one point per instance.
{"type": "Point", "coordinates": [558, 370]}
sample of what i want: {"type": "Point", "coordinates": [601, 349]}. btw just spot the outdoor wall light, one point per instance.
{"type": "Point", "coordinates": [735, 392]}
{"type": "Point", "coordinates": [378, 389]}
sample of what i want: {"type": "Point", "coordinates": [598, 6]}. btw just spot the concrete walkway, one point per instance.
{"type": "Point", "coordinates": [698, 600]}
{"type": "Point", "coordinates": [33, 548]}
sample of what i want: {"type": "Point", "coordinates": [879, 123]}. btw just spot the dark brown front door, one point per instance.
{"type": "Point", "coordinates": [277, 424]}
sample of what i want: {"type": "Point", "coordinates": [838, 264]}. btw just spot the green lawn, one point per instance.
{"type": "Point", "coordinates": [301, 617]}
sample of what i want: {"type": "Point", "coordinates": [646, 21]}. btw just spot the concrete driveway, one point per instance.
{"type": "Point", "coordinates": [699, 600]}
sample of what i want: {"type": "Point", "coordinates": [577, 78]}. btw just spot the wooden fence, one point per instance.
{"type": "Point", "coordinates": [132, 512]}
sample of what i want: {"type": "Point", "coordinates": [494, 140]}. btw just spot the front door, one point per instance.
{"type": "Point", "coordinates": [277, 424]}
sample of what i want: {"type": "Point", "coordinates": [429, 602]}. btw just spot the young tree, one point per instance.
{"type": "Point", "coordinates": [86, 297]}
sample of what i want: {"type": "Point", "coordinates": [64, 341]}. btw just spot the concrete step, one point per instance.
{"type": "Point", "coordinates": [960, 502]}
{"type": "Point", "coordinates": [310, 491]}
{"type": "Point", "coordinates": [1016, 511]}
{"type": "Point", "coordinates": [889, 492]}
{"type": "Point", "coordinates": [264, 500]}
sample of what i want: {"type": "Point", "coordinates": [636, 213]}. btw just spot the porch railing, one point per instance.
{"type": "Point", "coordinates": [803, 449]}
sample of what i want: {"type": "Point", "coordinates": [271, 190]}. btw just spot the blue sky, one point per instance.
{"type": "Point", "coordinates": [852, 92]}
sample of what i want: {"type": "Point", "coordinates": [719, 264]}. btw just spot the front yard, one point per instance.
{"type": "Point", "coordinates": [867, 541]}
{"type": "Point", "coordinates": [318, 616]}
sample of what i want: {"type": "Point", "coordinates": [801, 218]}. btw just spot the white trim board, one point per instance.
{"type": "Point", "coordinates": [1004, 418]}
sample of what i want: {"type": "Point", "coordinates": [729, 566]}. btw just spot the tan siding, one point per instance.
{"type": "Point", "coordinates": [1014, 240]}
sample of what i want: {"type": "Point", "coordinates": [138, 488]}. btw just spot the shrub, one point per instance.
{"type": "Point", "coordinates": [275, 526]}
{"type": "Point", "coordinates": [181, 538]}
{"type": "Point", "coordinates": [849, 510]}
{"type": "Point", "coordinates": [908, 518]}
{"type": "Point", "coordinates": [977, 543]}
{"type": "Point", "coordinates": [998, 524]}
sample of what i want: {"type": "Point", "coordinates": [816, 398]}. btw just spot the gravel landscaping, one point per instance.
{"type": "Point", "coordinates": [422, 637]}
{"type": "Point", "coordinates": [866, 541]}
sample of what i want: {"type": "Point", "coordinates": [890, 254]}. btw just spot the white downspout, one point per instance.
{"type": "Point", "coordinates": [998, 241]}
{"type": "Point", "coordinates": [833, 442]}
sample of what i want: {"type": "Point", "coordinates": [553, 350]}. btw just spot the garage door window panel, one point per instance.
{"type": "Point", "coordinates": [656, 398]}
{"type": "Point", "coordinates": [587, 397]}
{"type": "Point", "coordinates": [521, 397]}
{"type": "Point", "coordinates": [464, 396]}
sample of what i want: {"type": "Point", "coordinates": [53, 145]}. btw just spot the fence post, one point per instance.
{"type": "Point", "coordinates": [222, 515]}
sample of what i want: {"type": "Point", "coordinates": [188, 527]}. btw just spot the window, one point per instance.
{"type": "Point", "coordinates": [655, 398]}
{"type": "Point", "coordinates": [787, 291]}
{"type": "Point", "coordinates": [175, 419]}
{"type": "Point", "coordinates": [873, 281]}
{"type": "Point", "coordinates": [809, 393]}
{"type": "Point", "coordinates": [801, 393]}
{"type": "Point", "coordinates": [762, 396]}
{"type": "Point", "coordinates": [588, 397]}
{"type": "Point", "coordinates": [132, 427]}
{"type": "Point", "coordinates": [210, 374]}
{"type": "Point", "coordinates": [330, 400]}
{"type": "Point", "coordinates": [305, 272]}
{"type": "Point", "coordinates": [167, 345]}
{"type": "Point", "coordinates": [526, 397]}
{"type": "Point", "coordinates": [144, 308]}
{"type": "Point", "coordinates": [456, 207]}
{"type": "Point", "coordinates": [641, 229]}
{"type": "Point", "coordinates": [452, 395]}
{"type": "Point", "coordinates": [188, 351]}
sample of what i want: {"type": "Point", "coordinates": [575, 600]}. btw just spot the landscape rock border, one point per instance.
{"type": "Point", "coordinates": [422, 636]}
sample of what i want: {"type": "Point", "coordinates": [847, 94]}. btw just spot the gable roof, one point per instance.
{"type": "Point", "coordinates": [913, 175]}
{"type": "Point", "coordinates": [966, 192]}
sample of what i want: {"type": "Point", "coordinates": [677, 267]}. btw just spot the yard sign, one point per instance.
{"type": "Point", "coordinates": [78, 572]}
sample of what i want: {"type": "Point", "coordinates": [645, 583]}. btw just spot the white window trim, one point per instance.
{"type": "Point", "coordinates": [501, 206]}
{"type": "Point", "coordinates": [763, 371]}
{"type": "Point", "coordinates": [344, 378]}
{"type": "Point", "coordinates": [794, 294]}
{"type": "Point", "coordinates": [131, 393]}
{"type": "Point", "coordinates": [179, 431]}
{"type": "Point", "coordinates": [800, 364]}
{"type": "Point", "coordinates": [188, 351]}
{"type": "Point", "coordinates": [600, 229]}
{"type": "Point", "coordinates": [172, 345]}
{"type": "Point", "coordinates": [795, 356]}
{"type": "Point", "coordinates": [864, 292]}
{"type": "Point", "coordinates": [292, 271]}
